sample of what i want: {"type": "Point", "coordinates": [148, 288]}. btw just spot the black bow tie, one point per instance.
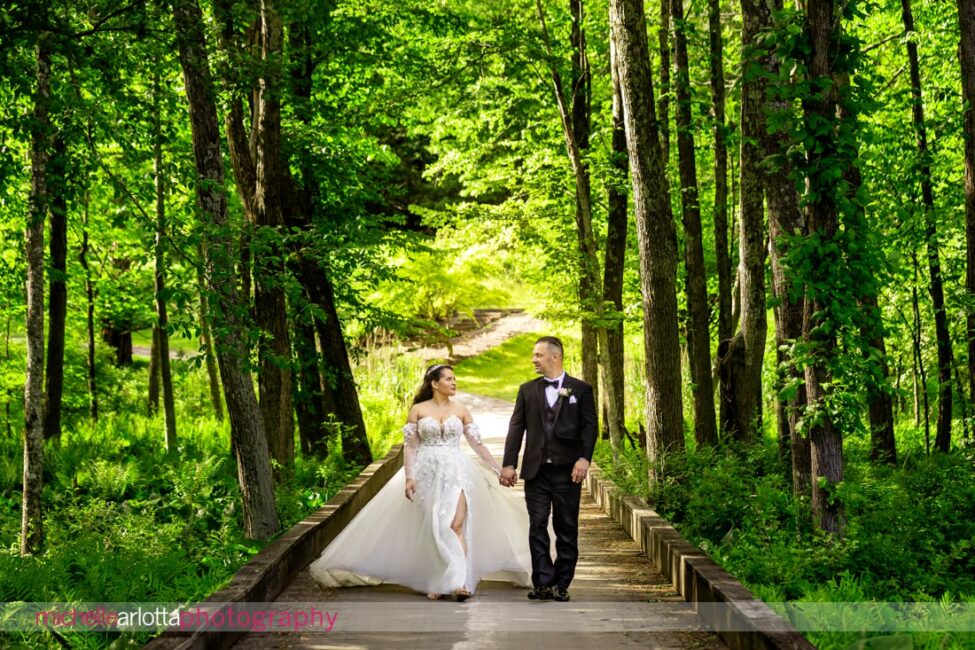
{"type": "Point", "coordinates": [551, 382]}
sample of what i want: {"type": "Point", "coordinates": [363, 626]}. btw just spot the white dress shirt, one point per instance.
{"type": "Point", "coordinates": [552, 392]}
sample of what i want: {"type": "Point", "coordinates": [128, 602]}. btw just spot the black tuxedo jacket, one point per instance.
{"type": "Point", "coordinates": [575, 423]}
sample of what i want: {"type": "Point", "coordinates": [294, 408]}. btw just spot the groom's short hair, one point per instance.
{"type": "Point", "coordinates": [553, 343]}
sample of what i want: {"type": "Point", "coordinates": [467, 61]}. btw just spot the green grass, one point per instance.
{"type": "Point", "coordinates": [499, 371]}
{"type": "Point", "coordinates": [186, 347]}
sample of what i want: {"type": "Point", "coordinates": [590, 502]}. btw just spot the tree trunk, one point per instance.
{"type": "Point", "coordinates": [162, 319]}
{"type": "Point", "coordinates": [206, 338]}
{"type": "Point", "coordinates": [154, 373]}
{"type": "Point", "coordinates": [589, 277]}
{"type": "Point", "coordinates": [32, 530]}
{"type": "Point", "coordinates": [338, 370]}
{"type": "Point", "coordinates": [270, 309]}
{"type": "Point", "coordinates": [8, 393]}
{"type": "Point", "coordinates": [966, 57]}
{"type": "Point", "coordinates": [716, 40]}
{"type": "Point", "coordinates": [696, 288]}
{"type": "Point", "coordinates": [741, 385]}
{"type": "Point", "coordinates": [880, 406]}
{"type": "Point", "coordinates": [58, 299]}
{"type": "Point", "coordinates": [883, 447]}
{"type": "Point", "coordinates": [90, 317]}
{"type": "Point", "coordinates": [919, 360]}
{"type": "Point", "coordinates": [655, 230]}
{"type": "Point", "coordinates": [614, 387]}
{"type": "Point", "coordinates": [121, 340]}
{"type": "Point", "coordinates": [336, 388]}
{"type": "Point", "coordinates": [826, 443]}
{"type": "Point", "coordinates": [575, 130]}
{"type": "Point", "coordinates": [308, 398]}
{"type": "Point", "coordinates": [785, 221]}
{"type": "Point", "coordinates": [942, 439]}
{"type": "Point", "coordinates": [663, 42]}
{"type": "Point", "coordinates": [247, 425]}
{"type": "Point", "coordinates": [262, 179]}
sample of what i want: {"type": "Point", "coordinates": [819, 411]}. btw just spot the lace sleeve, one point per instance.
{"type": "Point", "coordinates": [410, 442]}
{"type": "Point", "coordinates": [473, 434]}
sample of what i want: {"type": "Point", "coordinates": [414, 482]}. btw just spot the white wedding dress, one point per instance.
{"type": "Point", "coordinates": [412, 543]}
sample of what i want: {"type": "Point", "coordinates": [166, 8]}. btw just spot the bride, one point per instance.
{"type": "Point", "coordinates": [456, 527]}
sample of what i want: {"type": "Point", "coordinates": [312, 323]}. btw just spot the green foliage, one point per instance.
{"type": "Point", "coordinates": [908, 536]}
{"type": "Point", "coordinates": [499, 371]}
{"type": "Point", "coordinates": [124, 521]}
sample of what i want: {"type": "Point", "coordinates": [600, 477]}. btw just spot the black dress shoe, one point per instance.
{"type": "Point", "coordinates": [561, 594]}
{"type": "Point", "coordinates": [541, 593]}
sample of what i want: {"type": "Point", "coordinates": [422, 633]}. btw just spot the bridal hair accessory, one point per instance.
{"type": "Point", "coordinates": [433, 369]}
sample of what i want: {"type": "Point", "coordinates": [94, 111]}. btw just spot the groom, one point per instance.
{"type": "Point", "coordinates": [556, 414]}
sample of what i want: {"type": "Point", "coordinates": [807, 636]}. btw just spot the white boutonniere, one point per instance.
{"type": "Point", "coordinates": [565, 392]}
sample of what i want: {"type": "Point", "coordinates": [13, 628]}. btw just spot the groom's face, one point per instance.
{"type": "Point", "coordinates": [546, 360]}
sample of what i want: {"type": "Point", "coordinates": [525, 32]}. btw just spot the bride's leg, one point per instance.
{"type": "Point", "coordinates": [457, 525]}
{"type": "Point", "coordinates": [460, 518]}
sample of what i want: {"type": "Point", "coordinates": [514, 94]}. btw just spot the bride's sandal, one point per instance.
{"type": "Point", "coordinates": [433, 596]}
{"type": "Point", "coordinates": [462, 594]}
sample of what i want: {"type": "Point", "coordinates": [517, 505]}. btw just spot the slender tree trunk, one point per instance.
{"type": "Point", "coordinates": [339, 378]}
{"type": "Point", "coordinates": [785, 222]}
{"type": "Point", "coordinates": [162, 319]}
{"type": "Point", "coordinates": [32, 530]}
{"type": "Point", "coordinates": [262, 181]}
{"type": "Point", "coordinates": [966, 57]}
{"type": "Point", "coordinates": [942, 439]}
{"type": "Point", "coordinates": [247, 425]}
{"type": "Point", "coordinates": [274, 379]}
{"type": "Point", "coordinates": [716, 42]}
{"type": "Point", "coordinates": [964, 402]}
{"type": "Point", "coordinates": [614, 387]}
{"type": "Point", "coordinates": [880, 406]}
{"type": "Point", "coordinates": [663, 105]}
{"type": "Point", "coordinates": [8, 394]}
{"type": "Point", "coordinates": [206, 338]}
{"type": "Point", "coordinates": [575, 130]}
{"type": "Point", "coordinates": [90, 316]}
{"type": "Point", "coordinates": [589, 277]}
{"type": "Point", "coordinates": [309, 401]}
{"type": "Point", "coordinates": [826, 442]}
{"type": "Point", "coordinates": [740, 358]}
{"type": "Point", "coordinates": [58, 287]}
{"type": "Point", "coordinates": [919, 359]}
{"type": "Point", "coordinates": [336, 388]}
{"type": "Point", "coordinates": [154, 373]}
{"type": "Point", "coordinates": [655, 230]}
{"type": "Point", "coordinates": [696, 289]}
{"type": "Point", "coordinates": [121, 340]}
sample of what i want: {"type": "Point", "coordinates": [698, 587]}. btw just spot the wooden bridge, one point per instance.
{"type": "Point", "coordinates": [638, 584]}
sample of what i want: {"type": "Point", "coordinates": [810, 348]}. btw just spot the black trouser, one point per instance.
{"type": "Point", "coordinates": [552, 491]}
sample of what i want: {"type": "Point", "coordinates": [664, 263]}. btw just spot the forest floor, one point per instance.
{"type": "Point", "coordinates": [619, 599]}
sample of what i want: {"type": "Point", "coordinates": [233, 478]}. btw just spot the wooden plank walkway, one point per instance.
{"type": "Point", "coordinates": [612, 572]}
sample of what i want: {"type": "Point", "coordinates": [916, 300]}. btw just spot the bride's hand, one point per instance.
{"type": "Point", "coordinates": [410, 488]}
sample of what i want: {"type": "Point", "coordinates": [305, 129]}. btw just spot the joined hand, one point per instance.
{"type": "Point", "coordinates": [508, 477]}
{"type": "Point", "coordinates": [579, 470]}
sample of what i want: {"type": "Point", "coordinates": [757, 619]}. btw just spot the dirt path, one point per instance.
{"type": "Point", "coordinates": [619, 600]}
{"type": "Point", "coordinates": [482, 340]}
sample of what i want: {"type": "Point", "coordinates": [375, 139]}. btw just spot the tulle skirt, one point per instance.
{"type": "Point", "coordinates": [412, 543]}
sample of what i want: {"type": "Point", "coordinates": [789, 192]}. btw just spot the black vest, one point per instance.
{"type": "Point", "coordinates": [554, 449]}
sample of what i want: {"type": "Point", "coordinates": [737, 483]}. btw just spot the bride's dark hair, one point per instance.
{"type": "Point", "coordinates": [433, 373]}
